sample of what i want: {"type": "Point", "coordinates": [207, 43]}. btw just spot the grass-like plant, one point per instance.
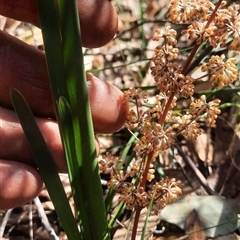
{"type": "Point", "coordinates": [61, 34]}
{"type": "Point", "coordinates": [209, 26]}
{"type": "Point", "coordinates": [156, 125]}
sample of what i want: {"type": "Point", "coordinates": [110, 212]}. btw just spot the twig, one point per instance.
{"type": "Point", "coordinates": [138, 24]}
{"type": "Point", "coordinates": [44, 219]}
{"type": "Point", "coordinates": [196, 171]}
{"type": "Point", "coordinates": [30, 216]}
{"type": "Point", "coordinates": [4, 222]}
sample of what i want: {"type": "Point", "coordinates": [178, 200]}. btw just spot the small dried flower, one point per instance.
{"type": "Point", "coordinates": [164, 54]}
{"type": "Point", "coordinates": [200, 106]}
{"type": "Point", "coordinates": [192, 131]}
{"type": "Point", "coordinates": [169, 79]}
{"type": "Point", "coordinates": [164, 192]}
{"type": "Point", "coordinates": [228, 24]}
{"type": "Point", "coordinates": [205, 8]}
{"type": "Point", "coordinates": [136, 168]}
{"type": "Point", "coordinates": [182, 11]}
{"type": "Point", "coordinates": [169, 36]}
{"type": "Point", "coordinates": [156, 111]}
{"type": "Point", "coordinates": [142, 197]}
{"type": "Point", "coordinates": [154, 139]}
{"type": "Point", "coordinates": [222, 73]}
{"type": "Point", "coordinates": [108, 162]}
{"type": "Point", "coordinates": [189, 128]}
{"type": "Point", "coordinates": [134, 119]}
{"type": "Point", "coordinates": [174, 189]}
{"type": "Point", "coordinates": [197, 30]}
{"type": "Point", "coordinates": [187, 87]}
{"type": "Point", "coordinates": [212, 112]}
{"type": "Point", "coordinates": [117, 179]}
{"type": "Point", "coordinates": [150, 175]}
{"type": "Point", "coordinates": [136, 95]}
{"type": "Point", "coordinates": [235, 45]}
{"type": "Point", "coordinates": [127, 195]}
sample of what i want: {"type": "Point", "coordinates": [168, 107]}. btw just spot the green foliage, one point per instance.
{"type": "Point", "coordinates": [62, 41]}
{"type": "Point", "coordinates": [45, 164]}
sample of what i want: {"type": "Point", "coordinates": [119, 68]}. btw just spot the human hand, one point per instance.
{"type": "Point", "coordinates": [23, 67]}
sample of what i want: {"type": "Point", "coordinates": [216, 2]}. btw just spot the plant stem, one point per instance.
{"type": "Point", "coordinates": [146, 169]}
{"type": "Point", "coordinates": [190, 58]}
{"type": "Point", "coordinates": [162, 120]}
{"type": "Point", "coordinates": [135, 224]}
{"type": "Point", "coordinates": [213, 13]}
{"type": "Point", "coordinates": [188, 62]}
{"type": "Point", "coordinates": [166, 109]}
{"type": "Point", "coordinates": [194, 50]}
{"type": "Point", "coordinates": [142, 184]}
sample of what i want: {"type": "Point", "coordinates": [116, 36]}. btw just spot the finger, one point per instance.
{"type": "Point", "coordinates": [24, 68]}
{"type": "Point", "coordinates": [100, 15]}
{"type": "Point", "coordinates": [22, 10]}
{"type": "Point", "coordinates": [19, 184]}
{"type": "Point", "coordinates": [108, 106]}
{"type": "Point", "coordinates": [14, 145]}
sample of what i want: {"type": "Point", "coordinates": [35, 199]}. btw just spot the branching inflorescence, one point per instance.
{"type": "Point", "coordinates": [158, 126]}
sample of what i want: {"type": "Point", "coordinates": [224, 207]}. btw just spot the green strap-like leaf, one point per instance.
{"type": "Point", "coordinates": [45, 164]}
{"type": "Point", "coordinates": [62, 41]}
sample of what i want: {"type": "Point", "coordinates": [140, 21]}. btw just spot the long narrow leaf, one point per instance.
{"type": "Point", "coordinates": [68, 83]}
{"type": "Point", "coordinates": [46, 165]}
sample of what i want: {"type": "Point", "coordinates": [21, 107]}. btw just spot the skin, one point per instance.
{"type": "Point", "coordinates": [21, 64]}
{"type": "Point", "coordinates": [100, 15]}
{"type": "Point", "coordinates": [24, 68]}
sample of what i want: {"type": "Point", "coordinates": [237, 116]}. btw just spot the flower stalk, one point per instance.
{"type": "Point", "coordinates": [158, 126]}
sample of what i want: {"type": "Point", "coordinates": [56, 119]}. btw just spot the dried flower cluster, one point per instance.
{"type": "Point", "coordinates": [157, 125]}
{"type": "Point", "coordinates": [160, 194]}
{"type": "Point", "coordinates": [222, 73]}
{"type": "Point", "coordinates": [207, 25]}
